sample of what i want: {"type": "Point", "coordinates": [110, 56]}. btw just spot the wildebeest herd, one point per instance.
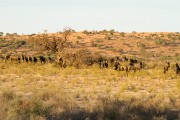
{"type": "Point", "coordinates": [27, 59]}
{"type": "Point", "coordinates": [117, 63]}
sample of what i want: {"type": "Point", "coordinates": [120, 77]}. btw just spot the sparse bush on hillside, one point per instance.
{"type": "Point", "coordinates": [103, 31]}
{"type": "Point", "coordinates": [79, 37]}
{"type": "Point", "coordinates": [134, 32]}
{"type": "Point", "coordinates": [176, 54]}
{"type": "Point", "coordinates": [99, 40]}
{"type": "Point", "coordinates": [141, 46]}
{"type": "Point", "coordinates": [53, 43]}
{"type": "Point", "coordinates": [122, 34]}
{"type": "Point", "coordinates": [32, 34]}
{"type": "Point", "coordinates": [93, 44]}
{"type": "Point", "coordinates": [85, 32]}
{"type": "Point", "coordinates": [21, 42]}
{"type": "Point", "coordinates": [4, 50]}
{"type": "Point", "coordinates": [108, 37]}
{"type": "Point", "coordinates": [160, 42]}
{"type": "Point", "coordinates": [169, 35]}
{"type": "Point", "coordinates": [121, 51]}
{"type": "Point", "coordinates": [112, 31]}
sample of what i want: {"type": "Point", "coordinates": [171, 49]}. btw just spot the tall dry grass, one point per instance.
{"type": "Point", "coordinates": [38, 92]}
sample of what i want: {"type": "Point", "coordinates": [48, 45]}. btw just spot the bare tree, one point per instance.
{"type": "Point", "coordinates": [53, 43]}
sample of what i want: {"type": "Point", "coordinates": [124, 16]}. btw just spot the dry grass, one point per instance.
{"type": "Point", "coordinates": [35, 92]}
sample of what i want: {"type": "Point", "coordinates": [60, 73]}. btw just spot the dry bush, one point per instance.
{"type": "Point", "coordinates": [79, 59]}
{"type": "Point", "coordinates": [118, 110]}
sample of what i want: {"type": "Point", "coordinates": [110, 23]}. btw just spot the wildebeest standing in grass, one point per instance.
{"type": "Point", "coordinates": [166, 67]}
{"type": "Point", "coordinates": [51, 60]}
{"type": "Point", "coordinates": [119, 67]}
{"type": "Point", "coordinates": [116, 65]}
{"type": "Point", "coordinates": [42, 59]}
{"type": "Point", "coordinates": [19, 59]}
{"type": "Point", "coordinates": [35, 59]}
{"type": "Point", "coordinates": [26, 59]}
{"type": "Point", "coordinates": [124, 58]}
{"type": "Point", "coordinates": [132, 61]}
{"type": "Point", "coordinates": [23, 58]}
{"type": "Point", "coordinates": [103, 64]}
{"type": "Point", "coordinates": [7, 57]}
{"type": "Point", "coordinates": [30, 59]}
{"type": "Point", "coordinates": [62, 63]}
{"type": "Point", "coordinates": [177, 69]}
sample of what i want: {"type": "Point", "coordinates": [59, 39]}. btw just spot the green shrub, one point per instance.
{"type": "Point", "coordinates": [160, 42]}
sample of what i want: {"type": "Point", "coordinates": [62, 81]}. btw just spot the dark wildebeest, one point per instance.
{"type": "Point", "coordinates": [132, 61]}
{"type": "Point", "coordinates": [100, 61]}
{"type": "Point", "coordinates": [35, 59]}
{"type": "Point", "coordinates": [89, 61]}
{"type": "Point", "coordinates": [23, 58]}
{"type": "Point", "coordinates": [119, 67]}
{"type": "Point", "coordinates": [103, 64]}
{"type": "Point", "coordinates": [112, 60]}
{"type": "Point", "coordinates": [51, 60]}
{"type": "Point", "coordinates": [62, 63]}
{"type": "Point", "coordinates": [124, 58]}
{"type": "Point", "coordinates": [177, 69]}
{"type": "Point", "coordinates": [8, 57]}
{"type": "Point", "coordinates": [26, 59]}
{"type": "Point", "coordinates": [19, 59]}
{"type": "Point", "coordinates": [30, 59]}
{"type": "Point", "coordinates": [116, 65]}
{"type": "Point", "coordinates": [42, 59]}
{"type": "Point", "coordinates": [166, 67]}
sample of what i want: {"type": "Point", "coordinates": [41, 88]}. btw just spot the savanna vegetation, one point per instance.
{"type": "Point", "coordinates": [78, 80]}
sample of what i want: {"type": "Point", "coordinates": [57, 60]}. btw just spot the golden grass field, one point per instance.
{"type": "Point", "coordinates": [31, 91]}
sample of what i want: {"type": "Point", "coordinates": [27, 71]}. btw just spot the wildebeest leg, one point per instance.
{"type": "Point", "coordinates": [19, 60]}
{"type": "Point", "coordinates": [126, 68]}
